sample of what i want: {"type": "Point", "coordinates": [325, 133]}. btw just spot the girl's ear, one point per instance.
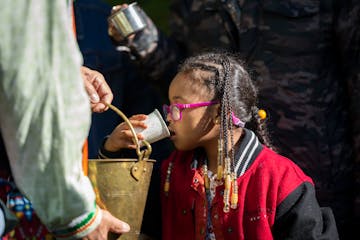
{"type": "Point", "coordinates": [216, 114]}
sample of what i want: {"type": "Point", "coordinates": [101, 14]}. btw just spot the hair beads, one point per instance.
{"type": "Point", "coordinates": [227, 193]}
{"type": "Point", "coordinates": [234, 195]}
{"type": "Point", "coordinates": [220, 168]}
{"type": "Point", "coordinates": [206, 178]}
{"type": "Point", "coordinates": [262, 114]}
{"type": "Point", "coordinates": [167, 180]}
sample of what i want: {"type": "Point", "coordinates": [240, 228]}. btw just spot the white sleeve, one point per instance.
{"type": "Point", "coordinates": [45, 112]}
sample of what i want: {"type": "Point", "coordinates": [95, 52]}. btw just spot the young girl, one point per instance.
{"type": "Point", "coordinates": [223, 181]}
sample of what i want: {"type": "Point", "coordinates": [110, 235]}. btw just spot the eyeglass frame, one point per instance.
{"type": "Point", "coordinates": [167, 109]}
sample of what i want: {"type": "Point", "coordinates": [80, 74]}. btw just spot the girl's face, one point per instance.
{"type": "Point", "coordinates": [196, 128]}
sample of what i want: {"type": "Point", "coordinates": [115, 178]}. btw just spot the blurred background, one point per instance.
{"type": "Point", "coordinates": [158, 10]}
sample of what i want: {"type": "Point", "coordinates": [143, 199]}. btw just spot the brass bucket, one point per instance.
{"type": "Point", "coordinates": [121, 185]}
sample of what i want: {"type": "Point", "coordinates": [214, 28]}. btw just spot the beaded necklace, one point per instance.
{"type": "Point", "coordinates": [227, 177]}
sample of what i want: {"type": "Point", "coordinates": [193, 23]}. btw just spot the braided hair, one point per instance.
{"type": "Point", "coordinates": [233, 89]}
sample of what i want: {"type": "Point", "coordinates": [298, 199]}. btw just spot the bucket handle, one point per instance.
{"type": "Point", "coordinates": [140, 165]}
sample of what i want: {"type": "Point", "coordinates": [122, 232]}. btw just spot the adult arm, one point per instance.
{"type": "Point", "coordinates": [156, 54]}
{"type": "Point", "coordinates": [45, 116]}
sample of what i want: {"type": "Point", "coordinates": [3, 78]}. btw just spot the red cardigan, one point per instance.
{"type": "Point", "coordinates": [266, 183]}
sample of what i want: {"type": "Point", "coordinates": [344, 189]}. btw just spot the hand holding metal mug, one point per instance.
{"type": "Point", "coordinates": [124, 21]}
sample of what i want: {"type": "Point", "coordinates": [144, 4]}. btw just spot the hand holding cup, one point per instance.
{"type": "Point", "coordinates": [122, 137]}
{"type": "Point", "coordinates": [156, 128]}
{"type": "Point", "coordinates": [150, 127]}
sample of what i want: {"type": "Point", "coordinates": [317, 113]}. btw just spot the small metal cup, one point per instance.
{"type": "Point", "coordinates": [128, 20]}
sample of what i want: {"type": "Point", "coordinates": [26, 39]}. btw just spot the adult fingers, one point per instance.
{"type": "Point", "coordinates": [97, 89]}
{"type": "Point", "coordinates": [116, 225]}
{"type": "Point", "coordinates": [91, 91]}
{"type": "Point", "coordinates": [103, 90]}
{"type": "Point", "coordinates": [116, 8]}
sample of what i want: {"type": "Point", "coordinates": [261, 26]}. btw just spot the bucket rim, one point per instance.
{"type": "Point", "coordinates": [121, 160]}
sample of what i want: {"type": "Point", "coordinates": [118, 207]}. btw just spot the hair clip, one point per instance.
{"type": "Point", "coordinates": [262, 114]}
{"type": "Point", "coordinates": [236, 121]}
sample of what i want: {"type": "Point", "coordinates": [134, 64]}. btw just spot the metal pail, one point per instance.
{"type": "Point", "coordinates": [121, 185]}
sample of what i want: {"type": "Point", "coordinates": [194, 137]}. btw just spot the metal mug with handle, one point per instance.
{"type": "Point", "coordinates": [128, 20]}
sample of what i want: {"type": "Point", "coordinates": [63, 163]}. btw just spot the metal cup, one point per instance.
{"type": "Point", "coordinates": [128, 20]}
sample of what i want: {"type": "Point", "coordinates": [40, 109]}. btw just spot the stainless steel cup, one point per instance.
{"type": "Point", "coordinates": [128, 20]}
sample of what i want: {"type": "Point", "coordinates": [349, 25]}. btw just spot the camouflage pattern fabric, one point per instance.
{"type": "Point", "coordinates": [304, 56]}
{"type": "Point", "coordinates": [349, 38]}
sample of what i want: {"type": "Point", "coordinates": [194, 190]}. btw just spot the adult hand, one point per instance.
{"type": "Point", "coordinates": [140, 43]}
{"type": "Point", "coordinates": [98, 90]}
{"type": "Point", "coordinates": [108, 224]}
{"type": "Point", "coordinates": [122, 137]}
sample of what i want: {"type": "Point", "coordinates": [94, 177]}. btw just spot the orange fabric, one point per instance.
{"type": "Point", "coordinates": [73, 20]}
{"type": "Point", "coordinates": [85, 158]}
{"type": "Point", "coordinates": [85, 150]}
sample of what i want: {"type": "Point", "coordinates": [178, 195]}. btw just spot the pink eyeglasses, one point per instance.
{"type": "Point", "coordinates": [175, 109]}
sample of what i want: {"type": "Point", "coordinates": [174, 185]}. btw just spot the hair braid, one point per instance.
{"type": "Point", "coordinates": [261, 128]}
{"type": "Point", "coordinates": [225, 114]}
